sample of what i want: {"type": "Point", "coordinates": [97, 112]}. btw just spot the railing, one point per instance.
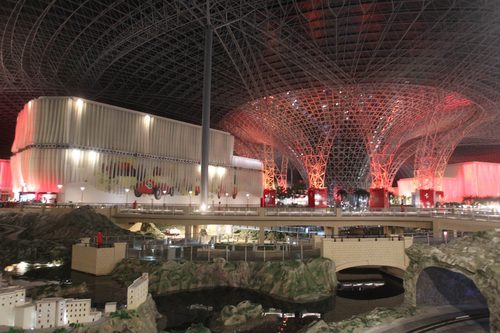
{"type": "Point", "coordinates": [144, 248]}
{"type": "Point", "coordinates": [299, 211]}
{"type": "Point", "coordinates": [160, 250]}
{"type": "Point", "coordinates": [253, 210]}
{"type": "Point", "coordinates": [448, 213]}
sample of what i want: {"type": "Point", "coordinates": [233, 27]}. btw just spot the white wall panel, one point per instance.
{"type": "Point", "coordinates": [64, 140]}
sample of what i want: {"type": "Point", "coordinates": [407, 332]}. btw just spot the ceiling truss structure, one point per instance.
{"type": "Point", "coordinates": [148, 56]}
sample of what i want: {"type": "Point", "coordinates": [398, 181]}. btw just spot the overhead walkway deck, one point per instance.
{"type": "Point", "coordinates": [464, 220]}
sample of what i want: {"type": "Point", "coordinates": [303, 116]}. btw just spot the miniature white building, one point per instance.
{"type": "Point", "coordinates": [10, 297]}
{"type": "Point", "coordinates": [77, 310]}
{"type": "Point", "coordinates": [137, 292]}
{"type": "Point", "coordinates": [109, 307]}
{"type": "Point", "coordinates": [50, 312]}
{"type": "Point", "coordinates": [94, 315]}
{"type": "Point", "coordinates": [25, 316]}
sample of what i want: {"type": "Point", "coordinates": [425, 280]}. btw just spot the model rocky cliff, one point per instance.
{"type": "Point", "coordinates": [47, 237]}
{"type": "Point", "coordinates": [297, 281]}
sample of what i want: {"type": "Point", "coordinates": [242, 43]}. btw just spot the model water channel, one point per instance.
{"type": "Point", "coordinates": [364, 290]}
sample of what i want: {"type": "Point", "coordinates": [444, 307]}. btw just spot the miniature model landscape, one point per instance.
{"type": "Point", "coordinates": [219, 295]}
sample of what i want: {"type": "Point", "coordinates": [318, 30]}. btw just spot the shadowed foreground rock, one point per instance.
{"type": "Point", "coordinates": [291, 280]}
{"type": "Point", "coordinates": [359, 323]}
{"type": "Point", "coordinates": [44, 237]}
{"type": "Point", "coordinates": [240, 318]}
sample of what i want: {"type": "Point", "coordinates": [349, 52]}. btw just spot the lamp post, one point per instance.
{"type": "Point", "coordinates": [126, 197]}
{"type": "Point", "coordinates": [82, 189]}
{"type": "Point", "coordinates": [190, 197]}
{"type": "Point", "coordinates": [59, 194]}
{"type": "Point", "coordinates": [164, 197]}
{"type": "Point", "coordinates": [227, 195]}
{"type": "Point", "coordinates": [248, 198]}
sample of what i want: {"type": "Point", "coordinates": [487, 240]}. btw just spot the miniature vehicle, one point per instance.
{"type": "Point", "coordinates": [305, 314]}
{"type": "Point", "coordinates": [148, 187]}
{"type": "Point", "coordinates": [273, 312]}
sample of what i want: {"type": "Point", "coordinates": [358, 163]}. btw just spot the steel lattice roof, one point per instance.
{"type": "Point", "coordinates": [148, 55]}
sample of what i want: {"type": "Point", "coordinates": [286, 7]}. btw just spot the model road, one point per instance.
{"type": "Point", "coordinates": [447, 318]}
{"type": "Point", "coordinates": [464, 323]}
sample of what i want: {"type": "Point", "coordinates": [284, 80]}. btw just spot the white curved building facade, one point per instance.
{"type": "Point", "coordinates": [93, 152]}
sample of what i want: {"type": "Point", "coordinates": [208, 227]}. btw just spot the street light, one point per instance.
{"type": "Point", "coordinates": [227, 195]}
{"type": "Point", "coordinates": [126, 196]}
{"type": "Point", "coordinates": [190, 196]}
{"type": "Point", "coordinates": [82, 189]}
{"type": "Point", "coordinates": [248, 198]}
{"type": "Point", "coordinates": [164, 196]}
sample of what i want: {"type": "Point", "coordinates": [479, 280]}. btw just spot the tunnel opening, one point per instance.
{"type": "Point", "coordinates": [441, 286]}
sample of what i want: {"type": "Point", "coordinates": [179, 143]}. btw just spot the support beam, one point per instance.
{"type": "Point", "coordinates": [196, 233]}
{"type": "Point", "coordinates": [187, 232]}
{"type": "Point", "coordinates": [262, 235]}
{"type": "Point", "coordinates": [205, 134]}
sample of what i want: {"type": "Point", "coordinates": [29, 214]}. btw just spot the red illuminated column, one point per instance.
{"type": "Point", "coordinates": [379, 198]}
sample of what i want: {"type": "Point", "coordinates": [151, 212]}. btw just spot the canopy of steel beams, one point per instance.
{"type": "Point", "coordinates": [148, 56]}
{"type": "Point", "coordinates": [388, 119]}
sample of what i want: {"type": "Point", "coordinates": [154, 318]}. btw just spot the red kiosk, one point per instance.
{"type": "Point", "coordinates": [317, 198]}
{"type": "Point", "coordinates": [269, 198]}
{"type": "Point", "coordinates": [379, 198]}
{"type": "Point", "coordinates": [426, 198]}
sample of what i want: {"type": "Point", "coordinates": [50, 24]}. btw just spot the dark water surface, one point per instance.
{"type": "Point", "coordinates": [346, 303]}
{"type": "Point", "coordinates": [176, 306]}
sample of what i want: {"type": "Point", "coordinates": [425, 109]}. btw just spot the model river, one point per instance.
{"type": "Point", "coordinates": [359, 290]}
{"type": "Point", "coordinates": [358, 295]}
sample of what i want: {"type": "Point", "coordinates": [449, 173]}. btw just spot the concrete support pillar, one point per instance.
{"type": "Point", "coordinates": [437, 233]}
{"type": "Point", "coordinates": [205, 123]}
{"type": "Point", "coordinates": [399, 231]}
{"type": "Point", "coordinates": [187, 232]}
{"type": "Point", "coordinates": [387, 230]}
{"type": "Point", "coordinates": [196, 232]}
{"type": "Point", "coordinates": [262, 235]}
